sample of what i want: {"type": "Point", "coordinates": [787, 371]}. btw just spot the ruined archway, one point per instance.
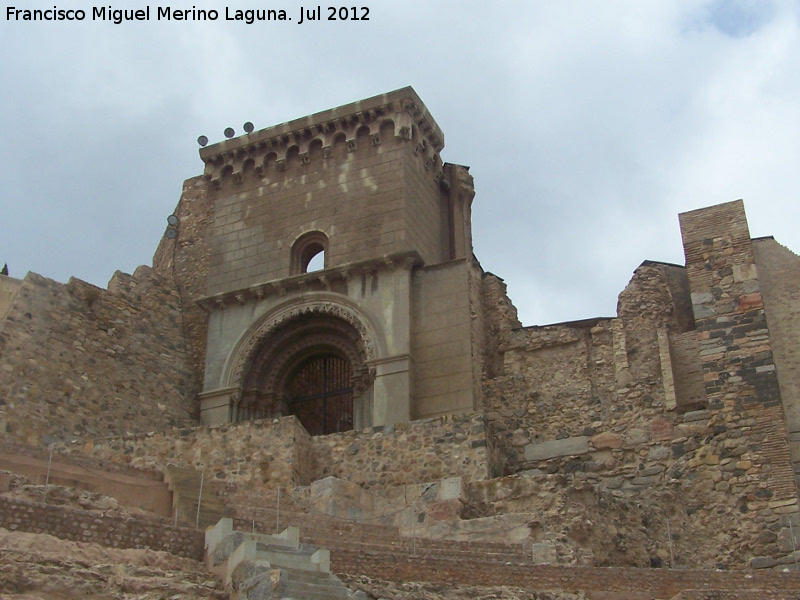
{"type": "Point", "coordinates": [312, 364]}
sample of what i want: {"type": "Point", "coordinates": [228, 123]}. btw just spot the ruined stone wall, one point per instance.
{"type": "Point", "coordinates": [588, 518]}
{"type": "Point", "coordinates": [82, 362]}
{"type": "Point", "coordinates": [779, 276]}
{"type": "Point", "coordinates": [8, 291]}
{"type": "Point", "coordinates": [558, 383]}
{"type": "Point", "coordinates": [92, 526]}
{"type": "Point", "coordinates": [739, 370]}
{"type": "Point", "coordinates": [406, 453]}
{"type": "Point", "coordinates": [256, 455]}
{"type": "Point", "coordinates": [251, 454]}
{"type": "Point", "coordinates": [646, 305]}
{"type": "Point", "coordinates": [184, 260]}
{"type": "Point", "coordinates": [687, 371]}
{"type": "Point", "coordinates": [627, 405]}
{"type": "Point", "coordinates": [500, 318]}
{"type": "Point", "coordinates": [477, 327]}
{"type": "Point", "coordinates": [558, 582]}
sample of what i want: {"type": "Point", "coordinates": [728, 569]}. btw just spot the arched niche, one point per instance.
{"type": "Point", "coordinates": [312, 358]}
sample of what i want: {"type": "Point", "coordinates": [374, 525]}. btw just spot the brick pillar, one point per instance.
{"type": "Point", "coordinates": [738, 369]}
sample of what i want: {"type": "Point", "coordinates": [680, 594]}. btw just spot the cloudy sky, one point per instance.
{"type": "Point", "coordinates": [588, 126]}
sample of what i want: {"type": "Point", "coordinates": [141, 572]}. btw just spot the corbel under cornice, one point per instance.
{"type": "Point", "coordinates": [402, 107]}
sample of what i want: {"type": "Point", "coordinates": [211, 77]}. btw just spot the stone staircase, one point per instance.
{"type": "Point", "coordinates": [257, 566]}
{"type": "Point", "coordinates": [185, 485]}
{"type": "Point", "coordinates": [345, 538]}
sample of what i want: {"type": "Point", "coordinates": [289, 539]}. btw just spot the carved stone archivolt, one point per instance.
{"type": "Point", "coordinates": [263, 360]}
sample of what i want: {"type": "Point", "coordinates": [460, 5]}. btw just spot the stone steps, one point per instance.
{"type": "Point", "coordinates": [347, 535]}
{"type": "Point", "coordinates": [244, 558]}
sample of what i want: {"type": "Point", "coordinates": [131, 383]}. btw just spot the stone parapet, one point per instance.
{"type": "Point", "coordinates": [305, 138]}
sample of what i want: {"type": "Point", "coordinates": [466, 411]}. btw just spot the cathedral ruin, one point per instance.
{"type": "Point", "coordinates": [315, 330]}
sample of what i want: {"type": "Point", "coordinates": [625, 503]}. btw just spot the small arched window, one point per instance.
{"type": "Point", "coordinates": [308, 253]}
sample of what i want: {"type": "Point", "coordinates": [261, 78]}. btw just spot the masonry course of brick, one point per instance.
{"type": "Point", "coordinates": [91, 526]}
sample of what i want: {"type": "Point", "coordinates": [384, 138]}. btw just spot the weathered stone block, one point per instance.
{"type": "Point", "coordinates": [607, 440]}
{"type": "Point", "coordinates": [762, 562]}
{"type": "Point", "coordinates": [556, 448]}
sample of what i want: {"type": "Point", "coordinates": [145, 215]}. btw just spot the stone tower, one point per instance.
{"type": "Point", "coordinates": [389, 328]}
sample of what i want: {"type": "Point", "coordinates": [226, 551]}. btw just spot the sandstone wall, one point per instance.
{"type": "Point", "coordinates": [442, 339]}
{"type": "Point", "coordinates": [370, 199]}
{"type": "Point", "coordinates": [184, 260]}
{"type": "Point", "coordinates": [426, 224]}
{"type": "Point", "coordinates": [779, 276]}
{"type": "Point", "coordinates": [82, 362]}
{"type": "Point", "coordinates": [91, 526]}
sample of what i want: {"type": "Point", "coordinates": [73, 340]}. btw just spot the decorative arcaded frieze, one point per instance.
{"type": "Point", "coordinates": [275, 147]}
{"type": "Point", "coordinates": [318, 280]}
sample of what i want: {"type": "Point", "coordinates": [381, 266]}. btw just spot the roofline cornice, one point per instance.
{"type": "Point", "coordinates": [401, 105]}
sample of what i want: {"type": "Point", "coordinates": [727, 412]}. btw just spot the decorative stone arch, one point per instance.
{"type": "Point", "coordinates": [272, 351]}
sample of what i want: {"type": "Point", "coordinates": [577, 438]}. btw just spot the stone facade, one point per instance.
{"type": "Point", "coordinates": [668, 431]}
{"type": "Point", "coordinates": [365, 185]}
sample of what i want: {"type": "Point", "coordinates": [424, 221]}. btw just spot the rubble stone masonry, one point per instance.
{"type": "Point", "coordinates": [79, 361]}
{"type": "Point", "coordinates": [93, 526]}
{"type": "Point", "coordinates": [184, 261]}
{"type": "Point", "coordinates": [738, 365]}
{"type": "Point", "coordinates": [261, 455]}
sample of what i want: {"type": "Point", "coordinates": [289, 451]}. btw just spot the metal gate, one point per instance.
{"type": "Point", "coordinates": [321, 395]}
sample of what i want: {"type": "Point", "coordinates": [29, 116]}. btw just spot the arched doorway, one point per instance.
{"type": "Point", "coordinates": [313, 367]}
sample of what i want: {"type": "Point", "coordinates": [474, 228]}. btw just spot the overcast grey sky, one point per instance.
{"type": "Point", "coordinates": [588, 126]}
